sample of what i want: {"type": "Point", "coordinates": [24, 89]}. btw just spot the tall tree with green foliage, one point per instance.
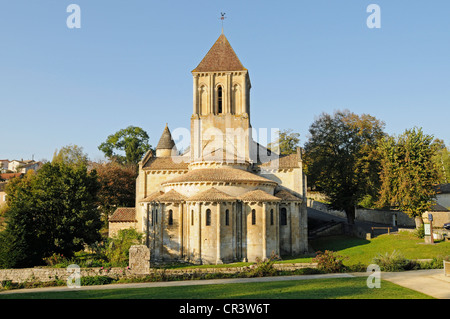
{"type": "Point", "coordinates": [442, 160]}
{"type": "Point", "coordinates": [52, 211]}
{"type": "Point", "coordinates": [409, 172]}
{"type": "Point", "coordinates": [287, 142]}
{"type": "Point", "coordinates": [131, 141]}
{"type": "Point", "coordinates": [71, 155]}
{"type": "Point", "coordinates": [342, 160]}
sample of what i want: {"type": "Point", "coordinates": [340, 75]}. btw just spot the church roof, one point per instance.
{"type": "Point", "coordinates": [284, 162]}
{"type": "Point", "coordinates": [258, 196]}
{"type": "Point", "coordinates": [221, 57]}
{"type": "Point", "coordinates": [152, 196]}
{"type": "Point", "coordinates": [286, 196]}
{"type": "Point", "coordinates": [211, 195]}
{"type": "Point", "coordinates": [219, 175]}
{"type": "Point", "coordinates": [124, 214]}
{"type": "Point", "coordinates": [171, 196]}
{"type": "Point", "coordinates": [167, 163]}
{"type": "Point", "coordinates": [166, 141]}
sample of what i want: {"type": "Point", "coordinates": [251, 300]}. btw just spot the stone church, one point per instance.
{"type": "Point", "coordinates": [226, 198]}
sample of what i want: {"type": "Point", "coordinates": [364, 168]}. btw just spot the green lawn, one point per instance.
{"type": "Point", "coordinates": [336, 288]}
{"type": "Point", "coordinates": [363, 251]}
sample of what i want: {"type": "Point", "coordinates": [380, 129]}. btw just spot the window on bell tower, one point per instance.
{"type": "Point", "coordinates": [219, 100]}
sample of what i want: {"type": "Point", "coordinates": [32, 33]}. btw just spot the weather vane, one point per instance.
{"type": "Point", "coordinates": [222, 17]}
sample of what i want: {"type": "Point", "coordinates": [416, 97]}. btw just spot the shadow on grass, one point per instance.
{"type": "Point", "coordinates": [336, 243]}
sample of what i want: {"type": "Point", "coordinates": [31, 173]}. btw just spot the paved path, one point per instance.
{"type": "Point", "coordinates": [431, 282]}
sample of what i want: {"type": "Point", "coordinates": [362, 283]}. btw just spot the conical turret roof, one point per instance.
{"type": "Point", "coordinates": [166, 140]}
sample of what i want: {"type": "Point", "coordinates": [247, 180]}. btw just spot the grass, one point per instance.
{"type": "Point", "coordinates": [335, 288]}
{"type": "Point", "coordinates": [359, 251]}
{"type": "Point", "coordinates": [363, 251]}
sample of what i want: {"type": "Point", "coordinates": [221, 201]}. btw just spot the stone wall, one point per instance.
{"type": "Point", "coordinates": [50, 274]}
{"type": "Point", "coordinates": [384, 217]}
{"type": "Point", "coordinates": [368, 215]}
{"type": "Point", "coordinates": [439, 218]}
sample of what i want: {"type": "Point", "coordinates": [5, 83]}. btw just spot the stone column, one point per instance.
{"type": "Point", "coordinates": [161, 229]}
{"type": "Point", "coordinates": [229, 94]}
{"type": "Point", "coordinates": [195, 93]}
{"type": "Point", "coordinates": [277, 225]}
{"type": "Point", "coordinates": [180, 228]}
{"type": "Point", "coordinates": [198, 258]}
{"type": "Point", "coordinates": [147, 225]}
{"type": "Point", "coordinates": [212, 96]}
{"type": "Point", "coordinates": [294, 226]}
{"type": "Point", "coordinates": [264, 231]}
{"type": "Point", "coordinates": [233, 214]}
{"type": "Point", "coordinates": [218, 234]}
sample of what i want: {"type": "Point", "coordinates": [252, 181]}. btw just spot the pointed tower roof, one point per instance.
{"type": "Point", "coordinates": [221, 57]}
{"type": "Point", "coordinates": [166, 140]}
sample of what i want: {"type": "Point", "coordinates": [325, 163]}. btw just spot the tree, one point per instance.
{"type": "Point", "coordinates": [119, 246]}
{"type": "Point", "coordinates": [442, 160]}
{"type": "Point", "coordinates": [342, 160]}
{"type": "Point", "coordinates": [117, 186]}
{"type": "Point", "coordinates": [132, 141]}
{"type": "Point", "coordinates": [52, 211]}
{"type": "Point", "coordinates": [287, 142]}
{"type": "Point", "coordinates": [409, 172]}
{"type": "Point", "coordinates": [71, 155]}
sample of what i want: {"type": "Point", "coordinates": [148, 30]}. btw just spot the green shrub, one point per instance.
{"type": "Point", "coordinates": [54, 259]}
{"type": "Point", "coordinates": [420, 232]}
{"type": "Point", "coordinates": [329, 261]}
{"type": "Point", "coordinates": [96, 280]}
{"type": "Point", "coordinates": [394, 262]}
{"type": "Point", "coordinates": [435, 263]}
{"type": "Point", "coordinates": [305, 271]}
{"type": "Point", "coordinates": [264, 267]}
{"type": "Point", "coordinates": [6, 284]}
{"type": "Point", "coordinates": [118, 247]}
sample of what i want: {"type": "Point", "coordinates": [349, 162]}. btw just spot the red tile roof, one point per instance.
{"type": "Point", "coordinates": [211, 195]}
{"type": "Point", "coordinates": [124, 214]}
{"type": "Point", "coordinates": [8, 176]}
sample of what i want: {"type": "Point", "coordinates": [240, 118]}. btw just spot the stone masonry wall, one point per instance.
{"type": "Point", "coordinates": [50, 274]}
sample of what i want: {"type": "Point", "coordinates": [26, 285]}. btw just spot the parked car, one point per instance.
{"type": "Point", "coordinates": [447, 226]}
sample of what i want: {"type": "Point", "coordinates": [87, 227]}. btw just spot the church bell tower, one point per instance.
{"type": "Point", "coordinates": [220, 123]}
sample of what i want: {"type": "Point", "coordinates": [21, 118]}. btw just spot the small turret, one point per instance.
{"type": "Point", "coordinates": [166, 145]}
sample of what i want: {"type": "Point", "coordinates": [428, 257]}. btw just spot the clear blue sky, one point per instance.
{"type": "Point", "coordinates": [130, 64]}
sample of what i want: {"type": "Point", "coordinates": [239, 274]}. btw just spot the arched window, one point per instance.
{"type": "Point", "coordinates": [170, 222]}
{"type": "Point", "coordinates": [219, 100]}
{"type": "Point", "coordinates": [192, 217]}
{"type": "Point", "coordinates": [208, 217]}
{"type": "Point", "coordinates": [283, 216]}
{"type": "Point", "coordinates": [156, 216]}
{"type": "Point", "coordinates": [253, 217]}
{"type": "Point", "coordinates": [227, 217]}
{"type": "Point", "coordinates": [271, 217]}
